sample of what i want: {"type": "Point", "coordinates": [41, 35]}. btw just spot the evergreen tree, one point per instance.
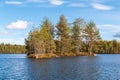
{"type": "Point", "coordinates": [63, 35]}
{"type": "Point", "coordinates": [31, 41]}
{"type": "Point", "coordinates": [48, 24]}
{"type": "Point", "coordinates": [48, 45]}
{"type": "Point", "coordinates": [83, 37]}
{"type": "Point", "coordinates": [41, 40]}
{"type": "Point", "coordinates": [12, 49]}
{"type": "Point", "coordinates": [77, 35]}
{"type": "Point", "coordinates": [91, 34]}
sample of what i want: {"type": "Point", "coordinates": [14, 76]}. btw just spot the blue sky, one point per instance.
{"type": "Point", "coordinates": [17, 17]}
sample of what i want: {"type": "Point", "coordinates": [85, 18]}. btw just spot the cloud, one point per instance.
{"type": "Point", "coordinates": [12, 41]}
{"type": "Point", "coordinates": [53, 2]}
{"type": "Point", "coordinates": [109, 28]}
{"type": "Point", "coordinates": [77, 5]}
{"type": "Point", "coordinates": [13, 2]}
{"type": "Point", "coordinates": [99, 1]}
{"type": "Point", "coordinates": [36, 1]}
{"type": "Point", "coordinates": [101, 6]}
{"type": "Point", "coordinates": [56, 2]}
{"type": "Point", "coordinates": [117, 35]}
{"type": "Point", "coordinates": [4, 33]}
{"type": "Point", "coordinates": [19, 24]}
{"type": "Point", "coordinates": [109, 31]}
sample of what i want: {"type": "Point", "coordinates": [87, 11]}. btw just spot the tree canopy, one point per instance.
{"type": "Point", "coordinates": [78, 36]}
{"type": "Point", "coordinates": [12, 49]}
{"type": "Point", "coordinates": [65, 37]}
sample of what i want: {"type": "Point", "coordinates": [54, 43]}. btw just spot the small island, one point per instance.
{"type": "Point", "coordinates": [60, 40]}
{"type": "Point", "coordinates": [78, 38]}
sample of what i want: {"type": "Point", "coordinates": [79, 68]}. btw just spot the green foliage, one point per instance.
{"type": "Point", "coordinates": [78, 37]}
{"type": "Point", "coordinates": [76, 34]}
{"type": "Point", "coordinates": [109, 47]}
{"type": "Point", "coordinates": [46, 37]}
{"type": "Point", "coordinates": [63, 35]}
{"type": "Point", "coordinates": [41, 40]}
{"type": "Point", "coordinates": [91, 34]}
{"type": "Point", "coordinates": [13, 49]}
{"type": "Point", "coordinates": [75, 38]}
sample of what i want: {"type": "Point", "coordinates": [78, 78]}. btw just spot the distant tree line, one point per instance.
{"type": "Point", "coordinates": [65, 37]}
{"type": "Point", "coordinates": [13, 49]}
{"type": "Point", "coordinates": [108, 47]}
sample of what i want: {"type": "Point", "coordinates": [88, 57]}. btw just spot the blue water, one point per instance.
{"type": "Point", "coordinates": [18, 67]}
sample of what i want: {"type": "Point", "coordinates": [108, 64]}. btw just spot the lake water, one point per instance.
{"type": "Point", "coordinates": [18, 67]}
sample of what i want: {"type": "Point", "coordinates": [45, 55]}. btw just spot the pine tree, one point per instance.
{"type": "Point", "coordinates": [32, 41]}
{"type": "Point", "coordinates": [91, 34]}
{"type": "Point", "coordinates": [77, 35]}
{"type": "Point", "coordinates": [47, 41]}
{"type": "Point", "coordinates": [63, 35]}
{"type": "Point", "coordinates": [41, 40]}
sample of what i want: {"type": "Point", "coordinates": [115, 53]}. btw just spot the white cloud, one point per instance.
{"type": "Point", "coordinates": [101, 6]}
{"type": "Point", "coordinates": [12, 41]}
{"type": "Point", "coordinates": [19, 24]}
{"type": "Point", "coordinates": [56, 2]}
{"type": "Point", "coordinates": [77, 5]}
{"type": "Point", "coordinates": [117, 35]}
{"type": "Point", "coordinates": [109, 29]}
{"type": "Point", "coordinates": [53, 2]}
{"type": "Point", "coordinates": [36, 1]}
{"type": "Point", "coordinates": [100, 1]}
{"type": "Point", "coordinates": [4, 33]}
{"type": "Point", "coordinates": [13, 2]}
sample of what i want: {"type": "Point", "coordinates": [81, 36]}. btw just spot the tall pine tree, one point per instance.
{"type": "Point", "coordinates": [91, 34]}
{"type": "Point", "coordinates": [63, 35]}
{"type": "Point", "coordinates": [77, 35]}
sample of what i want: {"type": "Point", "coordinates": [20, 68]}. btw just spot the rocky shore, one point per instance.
{"type": "Point", "coordinates": [51, 55]}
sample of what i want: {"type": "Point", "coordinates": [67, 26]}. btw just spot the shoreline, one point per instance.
{"type": "Point", "coordinates": [53, 55]}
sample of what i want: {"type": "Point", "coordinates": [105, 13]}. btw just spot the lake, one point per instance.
{"type": "Point", "coordinates": [101, 67]}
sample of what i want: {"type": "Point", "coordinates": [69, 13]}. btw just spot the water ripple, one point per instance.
{"type": "Point", "coordinates": [102, 67]}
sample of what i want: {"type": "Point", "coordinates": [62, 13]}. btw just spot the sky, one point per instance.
{"type": "Point", "coordinates": [17, 17]}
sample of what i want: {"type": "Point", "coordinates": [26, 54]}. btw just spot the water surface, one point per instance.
{"type": "Point", "coordinates": [18, 67]}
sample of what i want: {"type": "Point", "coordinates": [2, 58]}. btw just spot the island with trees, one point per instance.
{"type": "Point", "coordinates": [78, 38]}
{"type": "Point", "coordinates": [68, 39]}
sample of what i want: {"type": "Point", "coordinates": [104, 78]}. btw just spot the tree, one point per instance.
{"type": "Point", "coordinates": [48, 24]}
{"type": "Point", "coordinates": [32, 41]}
{"type": "Point", "coordinates": [74, 38]}
{"type": "Point", "coordinates": [41, 40]}
{"type": "Point", "coordinates": [12, 49]}
{"type": "Point", "coordinates": [63, 35]}
{"type": "Point", "coordinates": [91, 34]}
{"type": "Point", "coordinates": [48, 44]}
{"type": "Point", "coordinates": [77, 35]}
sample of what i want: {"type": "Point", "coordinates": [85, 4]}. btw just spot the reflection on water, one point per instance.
{"type": "Point", "coordinates": [18, 67]}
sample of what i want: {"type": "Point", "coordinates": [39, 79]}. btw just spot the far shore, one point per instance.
{"type": "Point", "coordinates": [52, 55]}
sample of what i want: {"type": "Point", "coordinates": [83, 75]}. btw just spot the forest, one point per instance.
{"type": "Point", "coordinates": [12, 49]}
{"type": "Point", "coordinates": [78, 36]}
